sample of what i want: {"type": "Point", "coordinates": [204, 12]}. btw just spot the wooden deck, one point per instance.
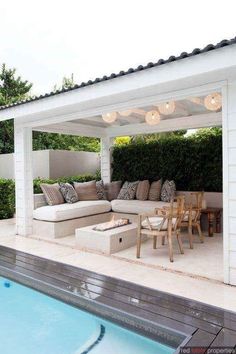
{"type": "Point", "coordinates": [161, 316]}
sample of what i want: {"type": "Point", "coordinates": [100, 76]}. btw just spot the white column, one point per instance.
{"type": "Point", "coordinates": [106, 158]}
{"type": "Point", "coordinates": [229, 182]}
{"type": "Point", "coordinates": [23, 180]}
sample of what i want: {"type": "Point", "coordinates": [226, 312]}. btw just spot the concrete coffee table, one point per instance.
{"type": "Point", "coordinates": [108, 242]}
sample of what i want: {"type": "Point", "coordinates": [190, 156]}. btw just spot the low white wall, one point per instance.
{"type": "Point", "coordinates": [54, 163]}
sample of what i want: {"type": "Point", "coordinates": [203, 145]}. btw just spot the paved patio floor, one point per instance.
{"type": "Point", "coordinates": [123, 266]}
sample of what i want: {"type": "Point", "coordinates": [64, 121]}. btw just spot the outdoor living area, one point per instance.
{"type": "Point", "coordinates": [157, 219]}
{"type": "Point", "coordinates": [68, 214]}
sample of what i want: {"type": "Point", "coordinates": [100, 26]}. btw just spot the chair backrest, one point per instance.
{"type": "Point", "coordinates": [196, 203]}
{"type": "Point", "coordinates": [176, 211]}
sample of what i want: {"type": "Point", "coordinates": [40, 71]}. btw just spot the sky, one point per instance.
{"type": "Point", "coordinates": [46, 40]}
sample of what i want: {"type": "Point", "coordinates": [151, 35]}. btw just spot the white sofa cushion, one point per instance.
{"type": "Point", "coordinates": [136, 206]}
{"type": "Point", "coordinates": [67, 211]}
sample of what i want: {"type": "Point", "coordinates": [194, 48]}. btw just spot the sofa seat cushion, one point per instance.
{"type": "Point", "coordinates": [71, 211]}
{"type": "Point", "coordinates": [136, 206]}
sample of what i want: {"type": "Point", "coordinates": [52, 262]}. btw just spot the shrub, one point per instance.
{"type": "Point", "coordinates": [7, 200]}
{"type": "Point", "coordinates": [195, 163]}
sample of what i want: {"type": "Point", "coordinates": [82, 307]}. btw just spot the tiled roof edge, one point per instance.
{"type": "Point", "coordinates": [172, 58]}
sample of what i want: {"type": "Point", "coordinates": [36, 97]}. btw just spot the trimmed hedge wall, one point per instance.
{"type": "Point", "coordinates": [7, 198]}
{"type": "Point", "coordinates": [7, 191]}
{"type": "Point", "coordinates": [194, 163]}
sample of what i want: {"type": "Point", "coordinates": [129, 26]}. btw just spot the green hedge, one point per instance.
{"type": "Point", "coordinates": [7, 198]}
{"type": "Point", "coordinates": [7, 191]}
{"type": "Point", "coordinates": [195, 163]}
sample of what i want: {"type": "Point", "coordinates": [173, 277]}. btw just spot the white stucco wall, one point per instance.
{"type": "Point", "coordinates": [54, 163]}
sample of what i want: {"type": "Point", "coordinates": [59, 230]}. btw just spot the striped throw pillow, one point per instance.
{"type": "Point", "coordinates": [155, 191]}
{"type": "Point", "coordinates": [52, 193]}
{"type": "Point", "coordinates": [143, 190]}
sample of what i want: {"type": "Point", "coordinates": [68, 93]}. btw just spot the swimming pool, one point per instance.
{"type": "Point", "coordinates": [34, 323]}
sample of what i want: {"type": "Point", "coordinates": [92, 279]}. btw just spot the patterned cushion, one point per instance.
{"type": "Point", "coordinates": [101, 190]}
{"type": "Point", "coordinates": [69, 193]}
{"type": "Point", "coordinates": [52, 193]}
{"type": "Point", "coordinates": [142, 190]}
{"type": "Point", "coordinates": [155, 191]}
{"type": "Point", "coordinates": [86, 190]}
{"type": "Point", "coordinates": [112, 190]}
{"type": "Point", "coordinates": [168, 191]}
{"type": "Point", "coordinates": [128, 190]}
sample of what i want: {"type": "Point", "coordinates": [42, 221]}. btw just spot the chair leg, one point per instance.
{"type": "Point", "coordinates": [163, 240]}
{"type": "Point", "coordinates": [154, 242]}
{"type": "Point", "coordinates": [138, 245]}
{"type": "Point", "coordinates": [179, 242]}
{"type": "Point", "coordinates": [170, 247]}
{"type": "Point", "coordinates": [190, 236]}
{"type": "Point", "coordinates": [200, 232]}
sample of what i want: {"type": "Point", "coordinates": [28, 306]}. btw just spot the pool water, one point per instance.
{"type": "Point", "coordinates": [33, 323]}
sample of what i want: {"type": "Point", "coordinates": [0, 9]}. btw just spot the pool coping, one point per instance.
{"type": "Point", "coordinates": [167, 318]}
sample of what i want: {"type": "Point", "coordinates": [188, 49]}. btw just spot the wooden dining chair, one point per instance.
{"type": "Point", "coordinates": [163, 223]}
{"type": "Point", "coordinates": [192, 215]}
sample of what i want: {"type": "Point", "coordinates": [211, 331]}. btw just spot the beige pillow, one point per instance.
{"type": "Point", "coordinates": [155, 191]}
{"type": "Point", "coordinates": [52, 193]}
{"type": "Point", "coordinates": [86, 190]}
{"type": "Point", "coordinates": [112, 190]}
{"type": "Point", "coordinates": [143, 190]}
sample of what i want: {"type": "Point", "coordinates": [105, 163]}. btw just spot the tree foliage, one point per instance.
{"type": "Point", "coordinates": [12, 90]}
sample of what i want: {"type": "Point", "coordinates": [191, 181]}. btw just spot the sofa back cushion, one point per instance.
{"type": "Point", "coordinates": [168, 191]}
{"type": "Point", "coordinates": [52, 193]}
{"type": "Point", "coordinates": [101, 190]}
{"type": "Point", "coordinates": [69, 193]}
{"type": "Point", "coordinates": [128, 190]}
{"type": "Point", "coordinates": [86, 190]}
{"type": "Point", "coordinates": [155, 191]}
{"type": "Point", "coordinates": [143, 190]}
{"type": "Point", "coordinates": [112, 190]}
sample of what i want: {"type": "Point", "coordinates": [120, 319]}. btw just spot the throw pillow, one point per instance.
{"type": "Point", "coordinates": [52, 193]}
{"type": "Point", "coordinates": [168, 191]}
{"type": "Point", "coordinates": [101, 190]}
{"type": "Point", "coordinates": [155, 190]}
{"type": "Point", "coordinates": [143, 190]}
{"type": "Point", "coordinates": [112, 190]}
{"type": "Point", "coordinates": [86, 190]}
{"type": "Point", "coordinates": [69, 193]}
{"type": "Point", "coordinates": [128, 190]}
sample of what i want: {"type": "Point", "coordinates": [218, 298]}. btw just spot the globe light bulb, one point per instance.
{"type": "Point", "coordinates": [109, 117]}
{"type": "Point", "coordinates": [152, 117]}
{"type": "Point", "coordinates": [167, 107]}
{"type": "Point", "coordinates": [213, 102]}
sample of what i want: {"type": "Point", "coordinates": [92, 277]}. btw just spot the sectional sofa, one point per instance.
{"type": "Point", "coordinates": [62, 220]}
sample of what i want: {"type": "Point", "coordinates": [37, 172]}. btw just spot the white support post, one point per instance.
{"type": "Point", "coordinates": [229, 182]}
{"type": "Point", "coordinates": [106, 158]}
{"type": "Point", "coordinates": [23, 180]}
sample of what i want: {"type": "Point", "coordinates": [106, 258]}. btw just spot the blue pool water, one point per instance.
{"type": "Point", "coordinates": [33, 323]}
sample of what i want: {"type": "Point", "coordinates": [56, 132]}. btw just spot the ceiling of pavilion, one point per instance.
{"type": "Point", "coordinates": [188, 107]}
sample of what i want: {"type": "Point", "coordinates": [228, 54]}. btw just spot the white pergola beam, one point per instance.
{"type": "Point", "coordinates": [188, 122]}
{"type": "Point", "coordinates": [73, 129]}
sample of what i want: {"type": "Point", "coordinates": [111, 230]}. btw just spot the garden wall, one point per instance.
{"type": "Point", "coordinates": [54, 163]}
